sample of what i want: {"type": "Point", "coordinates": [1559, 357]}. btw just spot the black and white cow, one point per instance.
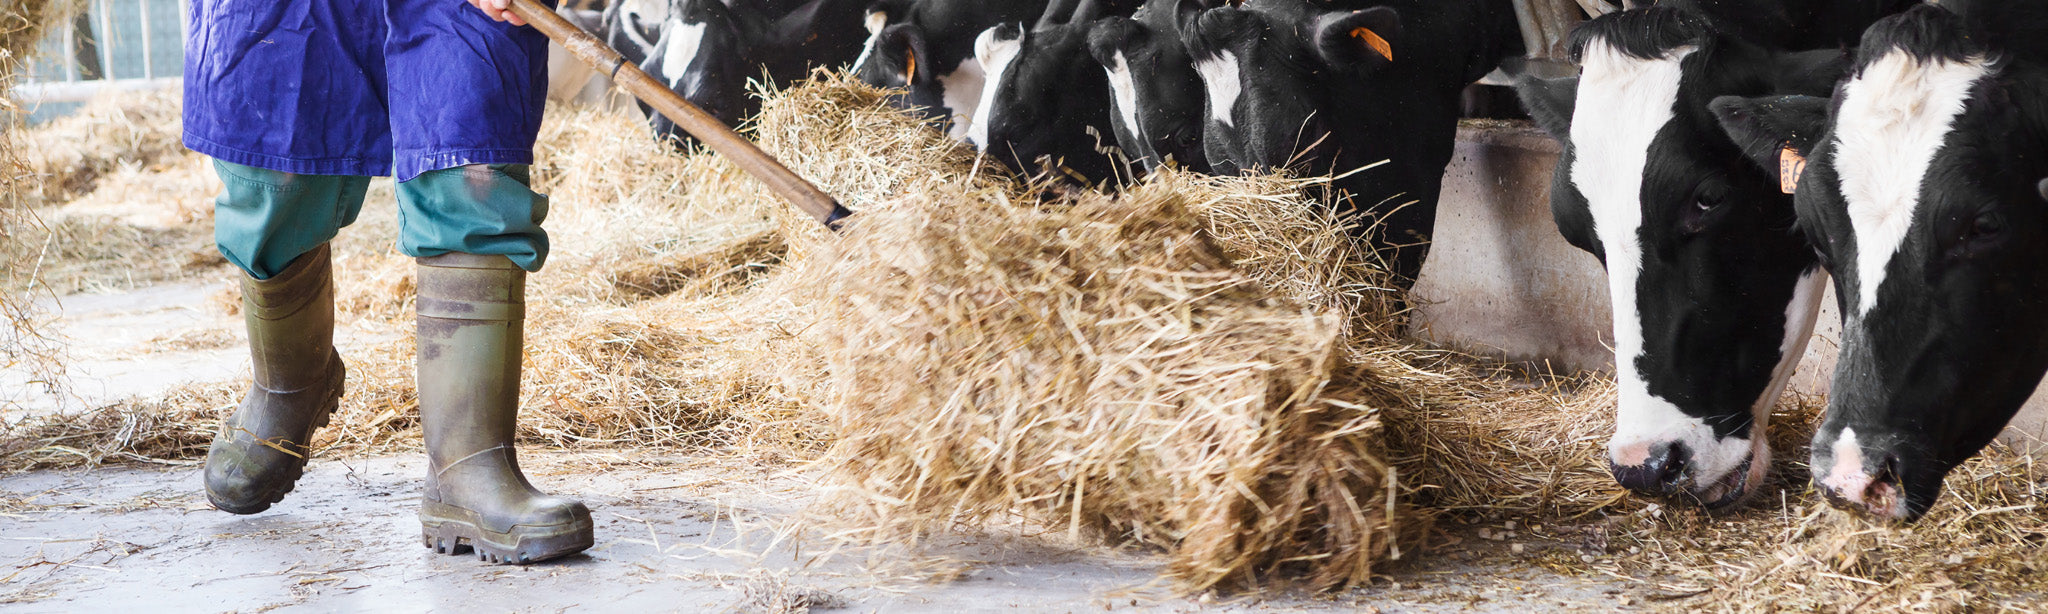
{"type": "Point", "coordinates": [1327, 86]}
{"type": "Point", "coordinates": [1045, 105]}
{"type": "Point", "coordinates": [708, 50]}
{"type": "Point", "coordinates": [1714, 296]}
{"type": "Point", "coordinates": [926, 47]}
{"type": "Point", "coordinates": [1156, 96]}
{"type": "Point", "coordinates": [1923, 197]}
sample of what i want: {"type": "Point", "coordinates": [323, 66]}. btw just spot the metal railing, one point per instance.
{"type": "Point", "coordinates": [115, 45]}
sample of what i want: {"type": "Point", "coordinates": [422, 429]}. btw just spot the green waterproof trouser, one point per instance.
{"type": "Point", "coordinates": [264, 219]}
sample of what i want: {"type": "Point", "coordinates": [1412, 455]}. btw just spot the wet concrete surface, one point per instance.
{"type": "Point", "coordinates": [674, 535]}
{"type": "Point", "coordinates": [347, 540]}
{"type": "Point", "coordinates": [139, 343]}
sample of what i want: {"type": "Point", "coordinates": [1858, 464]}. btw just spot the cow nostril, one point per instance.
{"type": "Point", "coordinates": [1661, 472]}
{"type": "Point", "coordinates": [1881, 494]}
{"type": "Point", "coordinates": [1888, 471]}
{"type": "Point", "coordinates": [1676, 460]}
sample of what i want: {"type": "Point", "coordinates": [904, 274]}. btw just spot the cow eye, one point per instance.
{"type": "Point", "coordinates": [1989, 224]}
{"type": "Point", "coordinates": [1982, 236]}
{"type": "Point", "coordinates": [1701, 215]}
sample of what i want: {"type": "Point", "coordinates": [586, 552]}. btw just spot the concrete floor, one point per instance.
{"type": "Point", "coordinates": [674, 535]}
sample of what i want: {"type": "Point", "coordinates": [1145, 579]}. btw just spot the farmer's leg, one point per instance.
{"type": "Point", "coordinates": [276, 226]}
{"type": "Point", "coordinates": [467, 96]}
{"type": "Point", "coordinates": [264, 219]}
{"type": "Point", "coordinates": [476, 232]}
{"type": "Point", "coordinates": [485, 209]}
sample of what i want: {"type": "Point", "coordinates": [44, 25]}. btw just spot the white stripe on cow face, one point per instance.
{"type": "Point", "coordinates": [684, 42]}
{"type": "Point", "coordinates": [1124, 97]}
{"type": "Point", "coordinates": [876, 22]}
{"type": "Point", "coordinates": [960, 91]}
{"type": "Point", "coordinates": [1623, 103]}
{"type": "Point", "coordinates": [1221, 76]}
{"type": "Point", "coordinates": [1893, 119]}
{"type": "Point", "coordinates": [995, 55]}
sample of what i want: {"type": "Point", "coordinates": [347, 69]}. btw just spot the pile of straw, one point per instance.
{"type": "Point", "coordinates": [1163, 368]}
{"type": "Point", "coordinates": [1100, 366]}
{"type": "Point", "coordinates": [22, 345]}
{"type": "Point", "coordinates": [176, 425]}
{"type": "Point", "coordinates": [73, 154]}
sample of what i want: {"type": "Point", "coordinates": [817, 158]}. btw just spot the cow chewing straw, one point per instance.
{"type": "Point", "coordinates": [1203, 365]}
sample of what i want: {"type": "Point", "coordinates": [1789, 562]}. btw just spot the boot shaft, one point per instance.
{"type": "Point", "coordinates": [290, 321]}
{"type": "Point", "coordinates": [470, 331]}
{"type": "Point", "coordinates": [471, 314]}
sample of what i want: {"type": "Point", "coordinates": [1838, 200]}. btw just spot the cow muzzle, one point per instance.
{"type": "Point", "coordinates": [1866, 482]}
{"type": "Point", "coordinates": [1720, 474]}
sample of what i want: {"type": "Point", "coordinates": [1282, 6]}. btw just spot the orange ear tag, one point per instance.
{"type": "Point", "coordinates": [1373, 40]}
{"type": "Point", "coordinates": [1790, 166]}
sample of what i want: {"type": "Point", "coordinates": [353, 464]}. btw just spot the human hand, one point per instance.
{"type": "Point", "coordinates": [499, 10]}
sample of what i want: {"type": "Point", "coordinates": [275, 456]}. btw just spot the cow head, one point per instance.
{"type": "Point", "coordinates": [1045, 106]}
{"type": "Point", "coordinates": [701, 55]}
{"type": "Point", "coordinates": [1714, 294]}
{"type": "Point", "coordinates": [1155, 94]}
{"type": "Point", "coordinates": [926, 49]}
{"type": "Point", "coordinates": [1922, 197]}
{"type": "Point", "coordinates": [1267, 72]}
{"type": "Point", "coordinates": [708, 51]}
{"type": "Point", "coordinates": [900, 56]}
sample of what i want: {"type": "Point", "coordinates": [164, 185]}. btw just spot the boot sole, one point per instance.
{"type": "Point", "coordinates": [298, 465]}
{"type": "Point", "coordinates": [454, 531]}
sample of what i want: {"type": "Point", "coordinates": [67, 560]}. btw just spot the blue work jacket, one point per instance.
{"type": "Point", "coordinates": [361, 87]}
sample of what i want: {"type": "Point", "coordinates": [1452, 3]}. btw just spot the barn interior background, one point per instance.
{"type": "Point", "coordinates": [667, 326]}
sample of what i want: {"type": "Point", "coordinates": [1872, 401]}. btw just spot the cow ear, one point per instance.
{"type": "Point", "coordinates": [1809, 73]}
{"type": "Point", "coordinates": [1111, 35]}
{"type": "Point", "coordinates": [1765, 128]}
{"type": "Point", "coordinates": [903, 46]}
{"type": "Point", "coordinates": [1185, 17]}
{"type": "Point", "coordinates": [1185, 12]}
{"type": "Point", "coordinates": [1550, 102]}
{"type": "Point", "coordinates": [1360, 39]}
{"type": "Point", "coordinates": [998, 44]}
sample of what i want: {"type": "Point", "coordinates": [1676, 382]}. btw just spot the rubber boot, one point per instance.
{"type": "Point", "coordinates": [471, 311]}
{"type": "Point", "coordinates": [261, 450]}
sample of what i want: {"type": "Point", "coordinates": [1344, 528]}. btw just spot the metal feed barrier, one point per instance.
{"type": "Point", "coordinates": [115, 45]}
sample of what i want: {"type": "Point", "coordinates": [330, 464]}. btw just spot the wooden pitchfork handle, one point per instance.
{"type": "Point", "coordinates": [706, 128]}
